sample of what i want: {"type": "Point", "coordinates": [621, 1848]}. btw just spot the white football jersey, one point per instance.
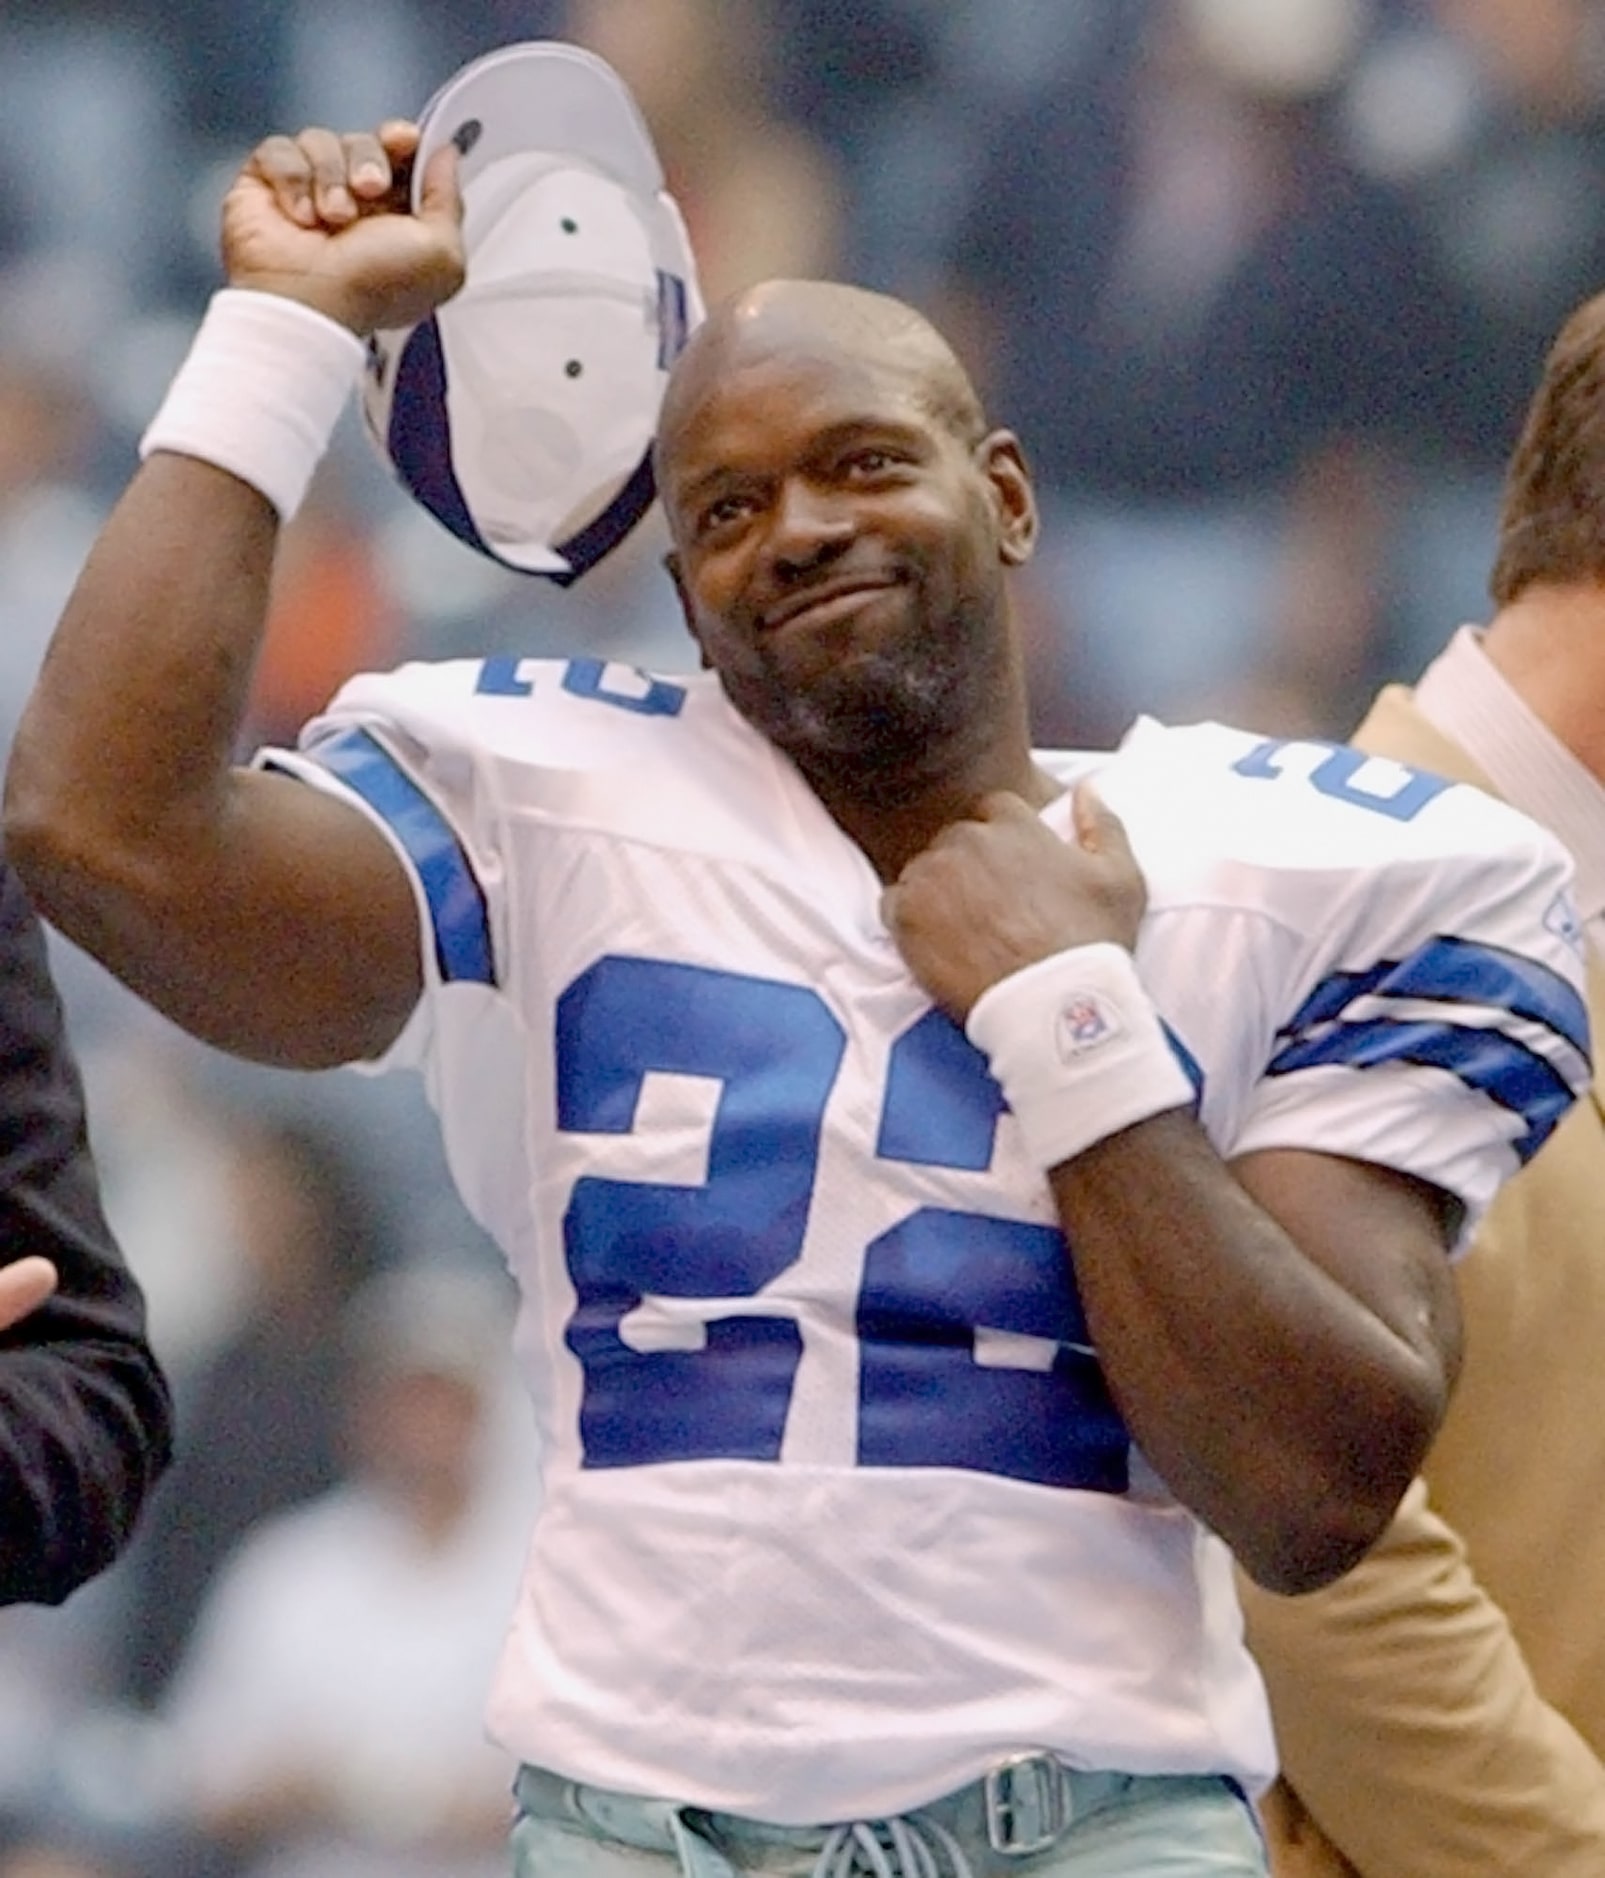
{"type": "Point", "coordinates": [837, 1508]}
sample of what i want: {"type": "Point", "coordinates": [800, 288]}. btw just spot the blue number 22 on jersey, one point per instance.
{"type": "Point", "coordinates": [930, 1284]}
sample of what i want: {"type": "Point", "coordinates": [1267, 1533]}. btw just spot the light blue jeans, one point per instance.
{"type": "Point", "coordinates": [1119, 1826]}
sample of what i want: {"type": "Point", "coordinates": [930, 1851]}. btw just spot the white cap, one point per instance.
{"type": "Point", "coordinates": [521, 414]}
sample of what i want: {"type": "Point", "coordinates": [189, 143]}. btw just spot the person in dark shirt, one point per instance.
{"type": "Point", "coordinates": [85, 1417]}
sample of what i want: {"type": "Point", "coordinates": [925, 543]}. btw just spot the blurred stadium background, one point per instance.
{"type": "Point", "coordinates": [1262, 287]}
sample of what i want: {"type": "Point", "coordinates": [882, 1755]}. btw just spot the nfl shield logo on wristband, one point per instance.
{"type": "Point", "coordinates": [1086, 1021]}
{"type": "Point", "coordinates": [521, 414]}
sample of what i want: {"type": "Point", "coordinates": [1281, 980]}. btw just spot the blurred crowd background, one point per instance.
{"type": "Point", "coordinates": [1263, 289]}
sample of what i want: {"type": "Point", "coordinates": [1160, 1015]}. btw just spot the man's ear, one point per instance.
{"type": "Point", "coordinates": [671, 562]}
{"type": "Point", "coordinates": [1003, 464]}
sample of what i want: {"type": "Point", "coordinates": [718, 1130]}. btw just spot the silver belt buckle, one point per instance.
{"type": "Point", "coordinates": [1027, 1804]}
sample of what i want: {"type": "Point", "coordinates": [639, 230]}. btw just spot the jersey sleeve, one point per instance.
{"type": "Point", "coordinates": [1436, 1023]}
{"type": "Point", "coordinates": [400, 747]}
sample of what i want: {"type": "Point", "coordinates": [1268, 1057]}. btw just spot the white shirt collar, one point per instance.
{"type": "Point", "coordinates": [1463, 694]}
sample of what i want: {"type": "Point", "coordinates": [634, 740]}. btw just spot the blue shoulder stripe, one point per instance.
{"type": "Point", "coordinates": [1457, 971]}
{"type": "Point", "coordinates": [457, 909]}
{"type": "Point", "coordinates": [1191, 1067]}
{"type": "Point", "coordinates": [1486, 1060]}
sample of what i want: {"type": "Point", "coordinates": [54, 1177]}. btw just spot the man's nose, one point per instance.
{"type": "Point", "coordinates": [810, 526]}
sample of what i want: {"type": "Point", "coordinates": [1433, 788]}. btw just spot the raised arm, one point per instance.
{"type": "Point", "coordinates": [262, 915]}
{"type": "Point", "coordinates": [1279, 1336]}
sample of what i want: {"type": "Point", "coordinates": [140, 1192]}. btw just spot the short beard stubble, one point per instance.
{"type": "Point", "coordinates": [884, 725]}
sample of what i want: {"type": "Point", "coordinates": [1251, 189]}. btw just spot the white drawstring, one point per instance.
{"type": "Point", "coordinates": [899, 1847]}
{"type": "Point", "coordinates": [856, 1851]}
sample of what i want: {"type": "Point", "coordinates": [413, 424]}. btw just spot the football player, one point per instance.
{"type": "Point", "coordinates": [960, 1195]}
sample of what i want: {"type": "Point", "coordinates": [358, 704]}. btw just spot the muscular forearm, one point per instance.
{"type": "Point", "coordinates": [1278, 1335]}
{"type": "Point", "coordinates": [1287, 1413]}
{"type": "Point", "coordinates": [121, 767]}
{"type": "Point", "coordinates": [271, 919]}
{"type": "Point", "coordinates": [189, 878]}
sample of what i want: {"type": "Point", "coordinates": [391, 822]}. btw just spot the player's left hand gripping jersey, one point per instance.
{"type": "Point", "coordinates": [837, 1507]}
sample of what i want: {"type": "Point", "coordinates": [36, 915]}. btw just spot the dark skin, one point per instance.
{"type": "Point", "coordinates": [812, 453]}
{"type": "Point", "coordinates": [1280, 1334]}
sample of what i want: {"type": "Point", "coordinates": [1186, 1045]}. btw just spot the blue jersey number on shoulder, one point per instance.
{"type": "Point", "coordinates": [974, 1350]}
{"type": "Point", "coordinates": [622, 686]}
{"type": "Point", "coordinates": [1335, 774]}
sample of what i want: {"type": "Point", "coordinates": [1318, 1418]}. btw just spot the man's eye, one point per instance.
{"type": "Point", "coordinates": [870, 462]}
{"type": "Point", "coordinates": [726, 510]}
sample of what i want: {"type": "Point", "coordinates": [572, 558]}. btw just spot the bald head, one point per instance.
{"type": "Point", "coordinates": [843, 521]}
{"type": "Point", "coordinates": [829, 323]}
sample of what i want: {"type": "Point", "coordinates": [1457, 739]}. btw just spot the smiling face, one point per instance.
{"type": "Point", "coordinates": [842, 524]}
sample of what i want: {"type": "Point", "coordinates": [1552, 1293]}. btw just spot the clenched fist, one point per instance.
{"type": "Point", "coordinates": [326, 218]}
{"type": "Point", "coordinates": [994, 894]}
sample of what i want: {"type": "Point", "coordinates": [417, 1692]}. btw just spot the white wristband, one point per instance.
{"type": "Point", "coordinates": [260, 393]}
{"type": "Point", "coordinates": [1078, 1049]}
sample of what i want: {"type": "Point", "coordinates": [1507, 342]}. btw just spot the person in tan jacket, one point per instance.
{"type": "Point", "coordinates": [1440, 1710]}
